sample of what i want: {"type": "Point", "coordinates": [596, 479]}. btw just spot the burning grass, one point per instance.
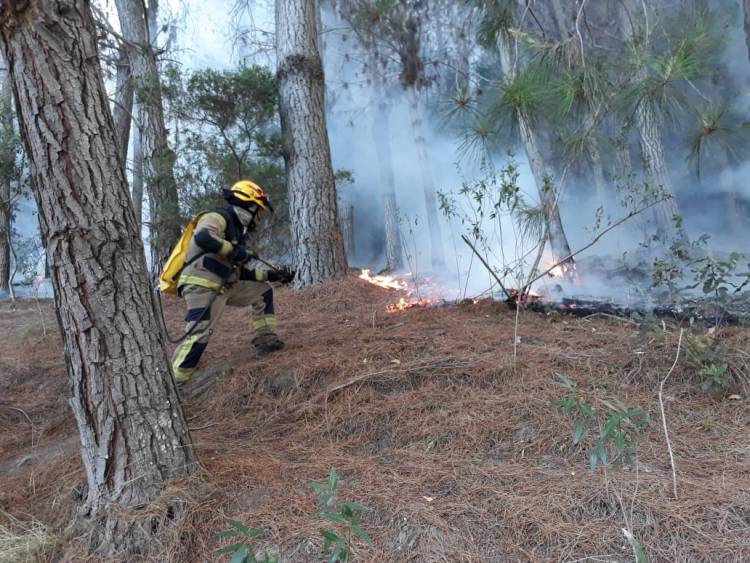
{"type": "Point", "coordinates": [460, 454]}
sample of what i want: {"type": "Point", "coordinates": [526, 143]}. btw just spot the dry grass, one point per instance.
{"type": "Point", "coordinates": [24, 542]}
{"type": "Point", "coordinates": [460, 454]}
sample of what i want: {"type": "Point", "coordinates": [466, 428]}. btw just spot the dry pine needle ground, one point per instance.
{"type": "Point", "coordinates": [460, 455]}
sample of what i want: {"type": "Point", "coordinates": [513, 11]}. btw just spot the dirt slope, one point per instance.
{"type": "Point", "coordinates": [460, 455]}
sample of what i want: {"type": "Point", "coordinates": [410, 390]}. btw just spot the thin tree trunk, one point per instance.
{"type": "Point", "coordinates": [318, 244]}
{"type": "Point", "coordinates": [382, 136]}
{"type": "Point", "coordinates": [428, 183]}
{"type": "Point", "coordinates": [158, 158]}
{"type": "Point", "coordinates": [137, 192]}
{"type": "Point", "coordinates": [558, 240]}
{"type": "Point", "coordinates": [649, 125]}
{"type": "Point", "coordinates": [8, 163]}
{"type": "Point", "coordinates": [134, 438]}
{"type": "Point", "coordinates": [556, 233]}
{"type": "Point", "coordinates": [347, 228]}
{"type": "Point", "coordinates": [123, 107]}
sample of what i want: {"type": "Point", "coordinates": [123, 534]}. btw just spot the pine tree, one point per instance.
{"type": "Point", "coordinates": [158, 157]}
{"type": "Point", "coordinates": [316, 236]}
{"type": "Point", "coordinates": [134, 438]}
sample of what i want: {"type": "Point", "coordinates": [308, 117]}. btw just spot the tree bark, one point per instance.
{"type": "Point", "coordinates": [158, 158]}
{"type": "Point", "coordinates": [347, 228]}
{"type": "Point", "coordinates": [548, 198]}
{"type": "Point", "coordinates": [382, 137]}
{"type": "Point", "coordinates": [428, 183]}
{"type": "Point", "coordinates": [8, 163]}
{"type": "Point", "coordinates": [134, 438]}
{"type": "Point", "coordinates": [318, 244]}
{"type": "Point", "coordinates": [123, 107]}
{"type": "Point", "coordinates": [137, 191]}
{"type": "Point", "coordinates": [649, 126]}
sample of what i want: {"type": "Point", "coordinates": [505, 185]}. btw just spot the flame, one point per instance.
{"type": "Point", "coordinates": [557, 272]}
{"type": "Point", "coordinates": [530, 296]}
{"type": "Point", "coordinates": [567, 271]}
{"type": "Point", "coordinates": [403, 304]}
{"type": "Point", "coordinates": [388, 282]}
{"type": "Point", "coordinates": [392, 282]}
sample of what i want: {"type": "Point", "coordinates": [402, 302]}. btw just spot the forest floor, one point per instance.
{"type": "Point", "coordinates": [459, 452]}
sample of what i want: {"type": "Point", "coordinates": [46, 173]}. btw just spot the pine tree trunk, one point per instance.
{"type": "Point", "coordinates": [428, 183]}
{"type": "Point", "coordinates": [6, 122]}
{"type": "Point", "coordinates": [347, 228]}
{"type": "Point", "coordinates": [382, 137]}
{"type": "Point", "coordinates": [649, 127]}
{"type": "Point", "coordinates": [137, 191]}
{"type": "Point", "coordinates": [134, 438]}
{"type": "Point", "coordinates": [158, 158]}
{"type": "Point", "coordinates": [558, 240]}
{"type": "Point", "coordinates": [316, 236]}
{"type": "Point", "coordinates": [123, 107]}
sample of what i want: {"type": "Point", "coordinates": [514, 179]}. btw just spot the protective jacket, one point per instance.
{"type": "Point", "coordinates": [208, 259]}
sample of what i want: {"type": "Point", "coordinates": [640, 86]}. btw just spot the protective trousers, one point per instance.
{"type": "Point", "coordinates": [203, 314]}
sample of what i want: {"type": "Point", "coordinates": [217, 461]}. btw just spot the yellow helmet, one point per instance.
{"type": "Point", "coordinates": [246, 193]}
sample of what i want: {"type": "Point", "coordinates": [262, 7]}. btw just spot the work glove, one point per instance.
{"type": "Point", "coordinates": [240, 255]}
{"type": "Point", "coordinates": [283, 275]}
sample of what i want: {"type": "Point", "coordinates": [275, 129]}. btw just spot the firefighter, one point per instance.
{"type": "Point", "coordinates": [216, 275]}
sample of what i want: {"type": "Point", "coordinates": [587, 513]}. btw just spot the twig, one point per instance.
{"type": "Point", "coordinates": [596, 239]}
{"type": "Point", "coordinates": [15, 267]}
{"type": "Point", "coordinates": [486, 265]}
{"type": "Point", "coordinates": [664, 416]}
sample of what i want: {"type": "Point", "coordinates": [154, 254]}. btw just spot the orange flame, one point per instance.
{"type": "Point", "coordinates": [392, 282]}
{"type": "Point", "coordinates": [403, 304]}
{"type": "Point", "coordinates": [388, 282]}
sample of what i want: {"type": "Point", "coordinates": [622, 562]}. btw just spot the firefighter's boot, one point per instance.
{"type": "Point", "coordinates": [267, 342]}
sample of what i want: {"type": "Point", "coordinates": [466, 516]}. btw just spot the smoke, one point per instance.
{"type": "Point", "coordinates": [608, 265]}
{"type": "Point", "coordinates": [206, 37]}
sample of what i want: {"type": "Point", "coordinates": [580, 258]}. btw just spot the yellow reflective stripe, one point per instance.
{"type": "Point", "coordinates": [196, 280]}
{"type": "Point", "coordinates": [183, 375]}
{"type": "Point", "coordinates": [183, 351]}
{"type": "Point", "coordinates": [267, 321]}
{"type": "Point", "coordinates": [226, 248]}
